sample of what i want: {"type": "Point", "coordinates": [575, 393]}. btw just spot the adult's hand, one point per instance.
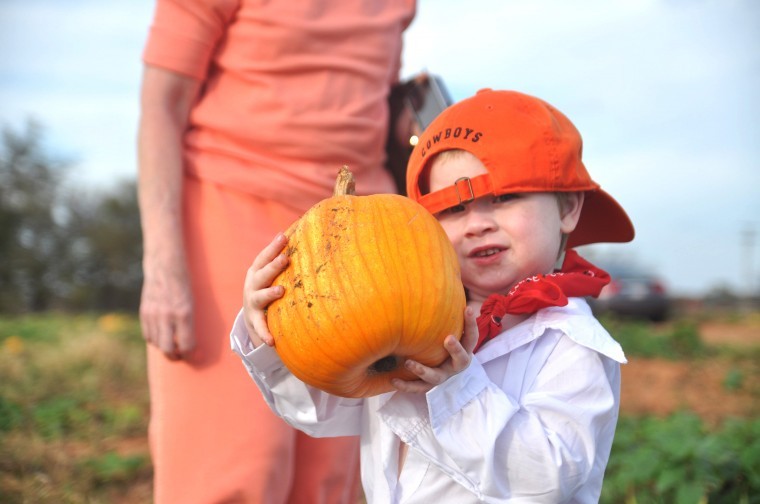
{"type": "Point", "coordinates": [166, 302]}
{"type": "Point", "coordinates": [166, 306]}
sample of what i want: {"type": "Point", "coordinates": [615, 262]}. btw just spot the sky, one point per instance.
{"type": "Point", "coordinates": [664, 92]}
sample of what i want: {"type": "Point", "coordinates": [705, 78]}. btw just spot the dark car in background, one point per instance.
{"type": "Point", "coordinates": [633, 293]}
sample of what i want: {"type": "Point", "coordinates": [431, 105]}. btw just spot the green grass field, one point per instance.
{"type": "Point", "coordinates": [73, 410]}
{"type": "Point", "coordinates": [74, 416]}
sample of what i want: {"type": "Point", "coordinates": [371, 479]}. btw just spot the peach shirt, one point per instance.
{"type": "Point", "coordinates": [288, 98]}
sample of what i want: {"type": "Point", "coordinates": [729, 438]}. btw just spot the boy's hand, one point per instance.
{"type": "Point", "coordinates": [258, 293]}
{"type": "Point", "coordinates": [460, 354]}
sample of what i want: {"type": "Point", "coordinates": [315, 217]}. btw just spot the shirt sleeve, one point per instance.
{"type": "Point", "coordinates": [305, 408]}
{"type": "Point", "coordinates": [185, 33]}
{"type": "Point", "coordinates": [541, 447]}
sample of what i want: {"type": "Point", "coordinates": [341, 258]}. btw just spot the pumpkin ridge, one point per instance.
{"type": "Point", "coordinates": [441, 262]}
{"type": "Point", "coordinates": [393, 287]}
{"type": "Point", "coordinates": [403, 296]}
{"type": "Point", "coordinates": [319, 357]}
{"type": "Point", "coordinates": [323, 295]}
{"type": "Point", "coordinates": [415, 259]}
{"type": "Point", "coordinates": [370, 240]}
{"type": "Point", "coordinates": [425, 260]}
{"type": "Point", "coordinates": [300, 258]}
{"type": "Point", "coordinates": [351, 268]}
{"type": "Point", "coordinates": [400, 276]}
{"type": "Point", "coordinates": [437, 283]}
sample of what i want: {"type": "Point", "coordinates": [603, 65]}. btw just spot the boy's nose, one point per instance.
{"type": "Point", "coordinates": [480, 218]}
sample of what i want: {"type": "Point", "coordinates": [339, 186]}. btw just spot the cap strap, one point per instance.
{"type": "Point", "coordinates": [464, 190]}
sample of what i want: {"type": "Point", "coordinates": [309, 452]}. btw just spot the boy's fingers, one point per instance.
{"type": "Point", "coordinates": [262, 298]}
{"type": "Point", "coordinates": [257, 324]}
{"type": "Point", "coordinates": [269, 252]}
{"type": "Point", "coordinates": [460, 359]}
{"type": "Point", "coordinates": [413, 387]}
{"type": "Point", "coordinates": [461, 355]}
{"type": "Point", "coordinates": [264, 335]}
{"type": "Point", "coordinates": [261, 277]}
{"type": "Point", "coordinates": [470, 336]}
{"type": "Point", "coordinates": [274, 268]}
{"type": "Point", "coordinates": [269, 263]}
{"type": "Point", "coordinates": [426, 374]}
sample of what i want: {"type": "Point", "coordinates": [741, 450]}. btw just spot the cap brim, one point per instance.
{"type": "Point", "coordinates": [602, 220]}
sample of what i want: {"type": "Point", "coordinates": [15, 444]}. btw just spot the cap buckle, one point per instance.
{"type": "Point", "coordinates": [469, 187]}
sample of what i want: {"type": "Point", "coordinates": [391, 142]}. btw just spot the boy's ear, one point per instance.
{"type": "Point", "coordinates": [570, 206]}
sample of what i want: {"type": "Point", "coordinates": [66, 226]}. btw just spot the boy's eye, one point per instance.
{"type": "Point", "coordinates": [503, 198]}
{"type": "Point", "coordinates": [453, 210]}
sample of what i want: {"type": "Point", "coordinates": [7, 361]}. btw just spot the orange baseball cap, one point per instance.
{"type": "Point", "coordinates": [527, 146]}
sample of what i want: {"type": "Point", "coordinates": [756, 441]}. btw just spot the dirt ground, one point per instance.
{"type": "Point", "coordinates": [715, 388]}
{"type": "Point", "coordinates": [740, 334]}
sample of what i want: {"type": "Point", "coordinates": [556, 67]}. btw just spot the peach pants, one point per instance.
{"type": "Point", "coordinates": [213, 439]}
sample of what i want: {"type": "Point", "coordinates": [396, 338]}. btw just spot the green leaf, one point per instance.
{"type": "Point", "coordinates": [689, 494]}
{"type": "Point", "coordinates": [670, 478]}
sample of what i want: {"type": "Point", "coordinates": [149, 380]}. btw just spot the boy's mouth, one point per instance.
{"type": "Point", "coordinates": [486, 251]}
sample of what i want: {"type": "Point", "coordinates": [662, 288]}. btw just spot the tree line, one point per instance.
{"type": "Point", "coordinates": [63, 247]}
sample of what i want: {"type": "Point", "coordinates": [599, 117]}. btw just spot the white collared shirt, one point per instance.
{"type": "Point", "coordinates": [531, 420]}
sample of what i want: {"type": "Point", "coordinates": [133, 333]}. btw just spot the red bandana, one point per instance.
{"type": "Point", "coordinates": [577, 278]}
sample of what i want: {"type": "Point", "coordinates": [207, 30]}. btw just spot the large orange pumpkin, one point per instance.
{"type": "Point", "coordinates": [372, 280]}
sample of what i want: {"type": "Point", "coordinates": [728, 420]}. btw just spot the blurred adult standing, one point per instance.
{"type": "Point", "coordinates": [248, 109]}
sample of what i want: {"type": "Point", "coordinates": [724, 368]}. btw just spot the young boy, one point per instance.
{"type": "Point", "coordinates": [530, 417]}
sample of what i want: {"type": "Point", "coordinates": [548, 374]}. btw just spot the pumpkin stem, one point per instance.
{"type": "Point", "coordinates": [345, 184]}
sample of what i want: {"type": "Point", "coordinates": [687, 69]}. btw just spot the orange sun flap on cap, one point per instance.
{"type": "Point", "coordinates": [464, 190]}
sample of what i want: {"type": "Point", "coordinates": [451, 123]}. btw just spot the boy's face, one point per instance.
{"type": "Point", "coordinates": [500, 240]}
